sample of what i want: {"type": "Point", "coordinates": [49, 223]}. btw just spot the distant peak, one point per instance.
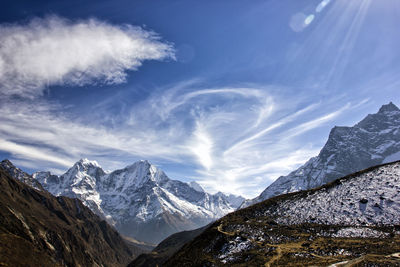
{"type": "Point", "coordinates": [388, 108]}
{"type": "Point", "coordinates": [6, 161]}
{"type": "Point", "coordinates": [219, 194]}
{"type": "Point", "coordinates": [85, 161]}
{"type": "Point", "coordinates": [196, 186]}
{"type": "Point", "coordinates": [141, 162]}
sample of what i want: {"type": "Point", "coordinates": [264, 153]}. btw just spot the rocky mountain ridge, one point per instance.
{"type": "Point", "coordinates": [372, 141]}
{"type": "Point", "coordinates": [39, 229]}
{"type": "Point", "coordinates": [19, 174]}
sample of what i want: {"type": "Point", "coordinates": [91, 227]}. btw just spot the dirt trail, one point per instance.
{"type": "Point", "coordinates": [354, 262]}
{"type": "Point", "coordinates": [275, 257]}
{"type": "Point", "coordinates": [281, 249]}
{"type": "Point", "coordinates": [349, 263]}
{"type": "Point", "coordinates": [219, 228]}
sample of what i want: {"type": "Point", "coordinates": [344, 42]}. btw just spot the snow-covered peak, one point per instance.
{"type": "Point", "coordinates": [86, 162]}
{"type": "Point", "coordinates": [196, 186]}
{"type": "Point", "coordinates": [83, 170]}
{"type": "Point", "coordinates": [233, 200]}
{"type": "Point", "coordinates": [138, 163]}
{"type": "Point", "coordinates": [135, 176]}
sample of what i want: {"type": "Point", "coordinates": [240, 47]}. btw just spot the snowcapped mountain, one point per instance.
{"type": "Point", "coordinates": [233, 200]}
{"type": "Point", "coordinates": [140, 200]}
{"type": "Point", "coordinates": [340, 222]}
{"type": "Point", "coordinates": [374, 140]}
{"type": "Point", "coordinates": [19, 174]}
{"type": "Point", "coordinates": [78, 182]}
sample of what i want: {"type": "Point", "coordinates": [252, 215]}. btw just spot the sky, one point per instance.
{"type": "Point", "coordinates": [228, 93]}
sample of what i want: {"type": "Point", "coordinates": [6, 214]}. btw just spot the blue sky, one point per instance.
{"type": "Point", "coordinates": [231, 94]}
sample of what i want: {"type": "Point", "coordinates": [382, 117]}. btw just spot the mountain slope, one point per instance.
{"type": "Point", "coordinates": [17, 173]}
{"type": "Point", "coordinates": [166, 249]}
{"type": "Point", "coordinates": [140, 200]}
{"type": "Point", "coordinates": [38, 229]}
{"type": "Point", "coordinates": [374, 140]}
{"type": "Point", "coordinates": [354, 219]}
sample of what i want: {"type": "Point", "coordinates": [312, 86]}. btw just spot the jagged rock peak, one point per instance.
{"type": "Point", "coordinates": [7, 165]}
{"type": "Point", "coordinates": [6, 162]}
{"type": "Point", "coordinates": [19, 174]}
{"type": "Point", "coordinates": [388, 108]}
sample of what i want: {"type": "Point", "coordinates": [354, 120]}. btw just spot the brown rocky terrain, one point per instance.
{"type": "Point", "coordinates": [38, 229]}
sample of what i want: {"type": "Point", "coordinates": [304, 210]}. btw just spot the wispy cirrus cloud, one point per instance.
{"type": "Point", "coordinates": [216, 131]}
{"type": "Point", "coordinates": [57, 51]}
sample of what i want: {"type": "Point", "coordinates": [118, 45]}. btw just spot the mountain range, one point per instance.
{"type": "Point", "coordinates": [139, 200]}
{"type": "Point", "coordinates": [372, 141]}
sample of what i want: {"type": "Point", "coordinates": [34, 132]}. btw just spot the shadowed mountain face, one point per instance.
{"type": "Point", "coordinates": [374, 140]}
{"type": "Point", "coordinates": [140, 200]}
{"type": "Point", "coordinates": [353, 220]}
{"type": "Point", "coordinates": [38, 229]}
{"type": "Point", "coordinates": [166, 249]}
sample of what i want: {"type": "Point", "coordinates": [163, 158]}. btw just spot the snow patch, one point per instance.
{"type": "Point", "coordinates": [237, 245]}
{"type": "Point", "coordinates": [361, 232]}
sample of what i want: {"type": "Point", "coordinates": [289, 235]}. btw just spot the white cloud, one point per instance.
{"type": "Point", "coordinates": [271, 127]}
{"type": "Point", "coordinates": [202, 146]}
{"type": "Point", "coordinates": [57, 51]}
{"type": "Point", "coordinates": [30, 152]}
{"type": "Point", "coordinates": [309, 125]}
